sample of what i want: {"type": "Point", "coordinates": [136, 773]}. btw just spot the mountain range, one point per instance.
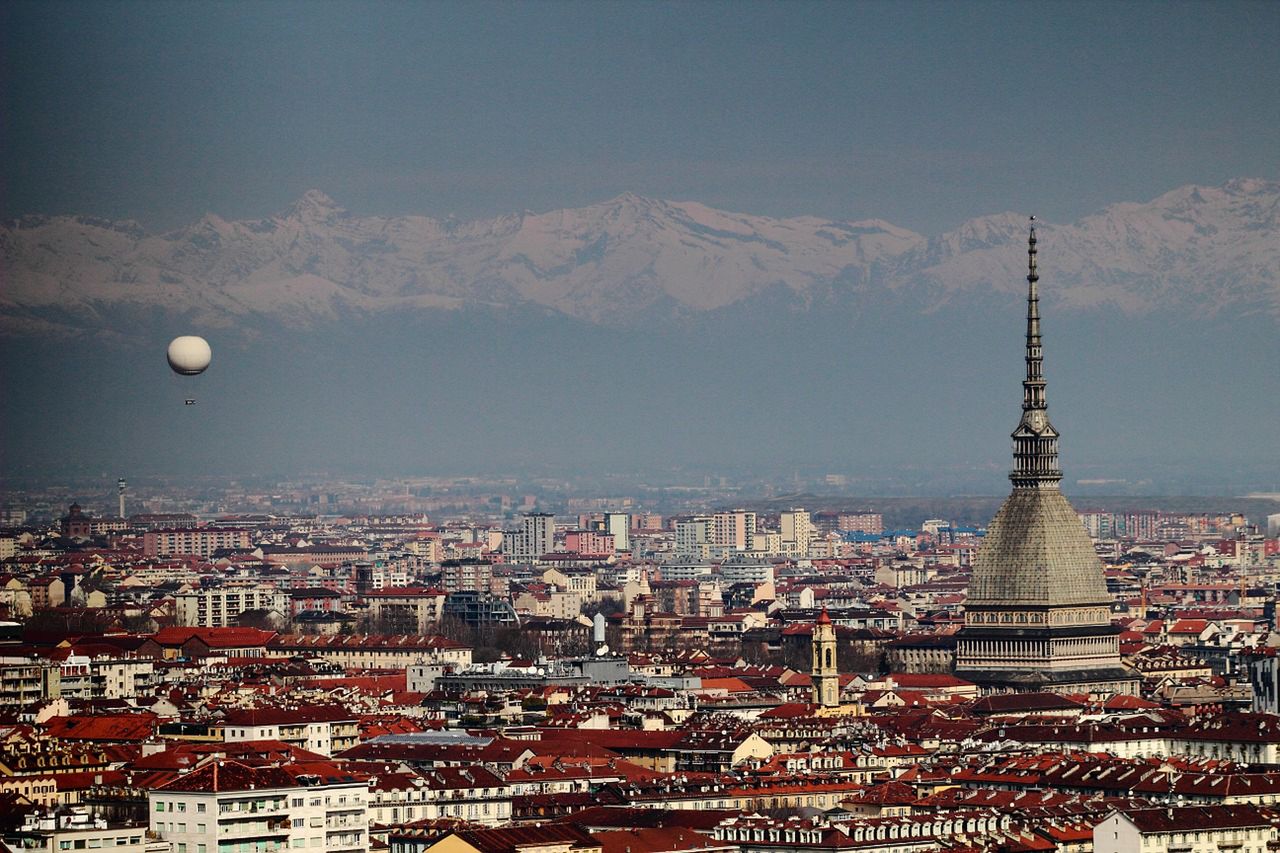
{"type": "Point", "coordinates": [638, 334]}
{"type": "Point", "coordinates": [629, 260]}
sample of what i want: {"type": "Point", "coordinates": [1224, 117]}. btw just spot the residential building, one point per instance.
{"type": "Point", "coordinates": [225, 806]}
{"type": "Point", "coordinates": [220, 607]}
{"type": "Point", "coordinates": [194, 541]}
{"type": "Point", "coordinates": [535, 537]}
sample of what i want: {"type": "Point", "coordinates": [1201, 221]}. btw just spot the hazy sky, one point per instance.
{"type": "Point", "coordinates": [917, 112]}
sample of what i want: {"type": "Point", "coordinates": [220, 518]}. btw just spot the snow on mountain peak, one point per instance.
{"type": "Point", "coordinates": [314, 205]}
{"type": "Point", "coordinates": [1197, 248]}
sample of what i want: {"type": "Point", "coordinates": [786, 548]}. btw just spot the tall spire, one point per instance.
{"type": "Point", "coordinates": [1035, 441]}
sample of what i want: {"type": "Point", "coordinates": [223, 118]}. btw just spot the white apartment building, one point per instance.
{"type": "Point", "coordinates": [77, 830]}
{"type": "Point", "coordinates": [746, 571]}
{"type": "Point", "coordinates": [683, 571]}
{"type": "Point", "coordinates": [472, 793]}
{"type": "Point", "coordinates": [694, 538]}
{"type": "Point", "coordinates": [323, 729]}
{"type": "Point", "coordinates": [84, 677]}
{"type": "Point", "coordinates": [228, 807]}
{"type": "Point", "coordinates": [219, 607]}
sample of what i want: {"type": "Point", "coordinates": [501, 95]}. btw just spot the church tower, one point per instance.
{"type": "Point", "coordinates": [1038, 614]}
{"type": "Point", "coordinates": [825, 676]}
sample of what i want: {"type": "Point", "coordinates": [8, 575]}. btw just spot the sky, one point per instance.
{"type": "Point", "coordinates": [920, 113]}
{"type": "Point", "coordinates": [923, 114]}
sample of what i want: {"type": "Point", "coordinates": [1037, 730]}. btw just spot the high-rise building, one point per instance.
{"type": "Point", "coordinates": [619, 524]}
{"type": "Point", "coordinates": [797, 530]}
{"type": "Point", "coordinates": [1038, 614]}
{"type": "Point", "coordinates": [734, 529]}
{"type": "Point", "coordinates": [694, 537]}
{"type": "Point", "coordinates": [535, 537]}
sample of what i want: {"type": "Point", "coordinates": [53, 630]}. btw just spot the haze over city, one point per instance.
{"type": "Point", "coordinates": [639, 427]}
{"type": "Point", "coordinates": [747, 239]}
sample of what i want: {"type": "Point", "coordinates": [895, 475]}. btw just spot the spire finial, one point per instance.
{"type": "Point", "coordinates": [1035, 441]}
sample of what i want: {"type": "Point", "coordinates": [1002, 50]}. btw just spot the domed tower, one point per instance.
{"type": "Point", "coordinates": [825, 675]}
{"type": "Point", "coordinates": [1038, 614]}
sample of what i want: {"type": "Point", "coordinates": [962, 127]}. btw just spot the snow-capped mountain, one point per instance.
{"type": "Point", "coordinates": [1192, 249]}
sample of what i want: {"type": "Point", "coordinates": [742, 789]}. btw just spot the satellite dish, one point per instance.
{"type": "Point", "coordinates": [189, 355]}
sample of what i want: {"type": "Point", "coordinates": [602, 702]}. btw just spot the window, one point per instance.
{"type": "Point", "coordinates": [201, 828]}
{"type": "Point", "coordinates": [159, 805]}
{"type": "Point", "coordinates": [182, 848]}
{"type": "Point", "coordinates": [182, 807]}
{"type": "Point", "coordinates": [200, 807]}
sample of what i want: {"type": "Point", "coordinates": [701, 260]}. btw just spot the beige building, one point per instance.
{"type": "Point", "coordinates": [733, 530]}
{"type": "Point", "coordinates": [797, 529]}
{"type": "Point", "coordinates": [406, 610]}
{"type": "Point", "coordinates": [25, 681]}
{"type": "Point", "coordinates": [366, 651]}
{"type": "Point", "coordinates": [582, 583]}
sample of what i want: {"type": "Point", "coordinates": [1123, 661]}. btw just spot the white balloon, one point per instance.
{"type": "Point", "coordinates": [189, 355]}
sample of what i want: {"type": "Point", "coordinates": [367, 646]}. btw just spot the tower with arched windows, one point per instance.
{"type": "Point", "coordinates": [825, 675]}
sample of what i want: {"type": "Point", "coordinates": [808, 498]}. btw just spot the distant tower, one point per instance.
{"type": "Point", "coordinates": [1038, 614]}
{"type": "Point", "coordinates": [825, 676]}
{"type": "Point", "coordinates": [121, 487]}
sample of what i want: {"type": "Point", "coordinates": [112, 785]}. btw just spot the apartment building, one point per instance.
{"type": "Point", "coordinates": [219, 607]}
{"type": "Point", "coordinates": [228, 807]}
{"type": "Point", "coordinates": [193, 541]}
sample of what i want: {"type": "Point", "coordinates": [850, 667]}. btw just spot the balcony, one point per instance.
{"type": "Point", "coordinates": [254, 829]}
{"type": "Point", "coordinates": [250, 811]}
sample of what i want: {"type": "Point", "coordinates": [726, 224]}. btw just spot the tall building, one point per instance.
{"type": "Point", "coordinates": [733, 530]}
{"type": "Point", "coordinates": [694, 537]}
{"type": "Point", "coordinates": [1038, 615]}
{"type": "Point", "coordinates": [535, 537]}
{"type": "Point", "coordinates": [619, 524]}
{"type": "Point", "coordinates": [825, 675]}
{"type": "Point", "coordinates": [797, 531]}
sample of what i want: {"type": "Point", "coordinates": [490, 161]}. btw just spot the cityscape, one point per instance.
{"type": "Point", "coordinates": [502, 677]}
{"type": "Point", "coordinates": [627, 524]}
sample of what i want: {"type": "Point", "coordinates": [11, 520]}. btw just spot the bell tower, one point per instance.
{"type": "Point", "coordinates": [825, 675]}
